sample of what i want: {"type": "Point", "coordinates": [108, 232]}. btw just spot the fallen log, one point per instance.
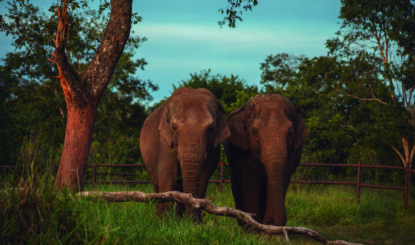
{"type": "Point", "coordinates": [208, 206]}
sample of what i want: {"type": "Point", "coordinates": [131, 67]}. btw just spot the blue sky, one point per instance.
{"type": "Point", "coordinates": [184, 37]}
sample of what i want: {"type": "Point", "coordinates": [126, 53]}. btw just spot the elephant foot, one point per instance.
{"type": "Point", "coordinates": [269, 221]}
{"type": "Point", "coordinates": [170, 207]}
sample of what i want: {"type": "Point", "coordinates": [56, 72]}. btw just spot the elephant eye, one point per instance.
{"type": "Point", "coordinates": [174, 127]}
{"type": "Point", "coordinates": [290, 131]}
{"type": "Point", "coordinates": [255, 134]}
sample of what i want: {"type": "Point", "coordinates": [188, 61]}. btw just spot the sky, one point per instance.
{"type": "Point", "coordinates": [184, 37]}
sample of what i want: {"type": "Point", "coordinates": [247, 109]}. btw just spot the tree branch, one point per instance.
{"type": "Point", "coordinates": [409, 99]}
{"type": "Point", "coordinates": [371, 99]}
{"type": "Point", "coordinates": [378, 36]}
{"type": "Point", "coordinates": [385, 59]}
{"type": "Point", "coordinates": [412, 156]}
{"type": "Point", "coordinates": [405, 149]}
{"type": "Point", "coordinates": [208, 206]}
{"type": "Point", "coordinates": [400, 155]}
{"type": "Point", "coordinates": [115, 37]}
{"type": "Point", "coordinates": [68, 77]}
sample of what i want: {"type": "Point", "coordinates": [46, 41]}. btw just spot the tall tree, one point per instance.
{"type": "Point", "coordinates": [82, 86]}
{"type": "Point", "coordinates": [340, 128]}
{"type": "Point", "coordinates": [83, 91]}
{"type": "Point", "coordinates": [33, 106]}
{"type": "Point", "coordinates": [313, 86]}
{"type": "Point", "coordinates": [381, 31]}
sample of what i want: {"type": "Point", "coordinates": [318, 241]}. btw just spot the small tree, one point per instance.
{"type": "Point", "coordinates": [83, 91]}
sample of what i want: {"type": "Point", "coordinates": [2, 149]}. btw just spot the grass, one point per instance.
{"type": "Point", "coordinates": [379, 218]}
{"type": "Point", "coordinates": [38, 215]}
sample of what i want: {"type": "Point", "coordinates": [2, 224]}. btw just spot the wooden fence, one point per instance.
{"type": "Point", "coordinates": [357, 183]}
{"type": "Point", "coordinates": [96, 173]}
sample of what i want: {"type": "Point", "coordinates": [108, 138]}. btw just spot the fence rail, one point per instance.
{"type": "Point", "coordinates": [96, 173]}
{"type": "Point", "coordinates": [357, 183]}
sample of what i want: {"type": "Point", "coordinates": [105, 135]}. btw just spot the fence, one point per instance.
{"type": "Point", "coordinates": [96, 173]}
{"type": "Point", "coordinates": [357, 183]}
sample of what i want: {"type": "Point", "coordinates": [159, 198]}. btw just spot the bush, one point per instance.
{"type": "Point", "coordinates": [32, 212]}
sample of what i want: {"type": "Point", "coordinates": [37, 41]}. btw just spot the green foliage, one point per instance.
{"type": "Point", "coordinates": [31, 212]}
{"type": "Point", "coordinates": [314, 88]}
{"type": "Point", "coordinates": [234, 10]}
{"type": "Point", "coordinates": [31, 98]}
{"type": "Point", "coordinates": [341, 127]}
{"type": "Point", "coordinates": [356, 103]}
{"type": "Point", "coordinates": [231, 91]}
{"type": "Point", "coordinates": [38, 215]}
{"type": "Point", "coordinates": [381, 33]}
{"type": "Point", "coordinates": [334, 212]}
{"type": "Point", "coordinates": [376, 46]}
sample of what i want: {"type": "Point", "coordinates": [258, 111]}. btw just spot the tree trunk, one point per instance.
{"type": "Point", "coordinates": [83, 91]}
{"type": "Point", "coordinates": [78, 136]}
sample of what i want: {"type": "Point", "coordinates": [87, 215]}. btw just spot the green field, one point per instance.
{"type": "Point", "coordinates": [39, 216]}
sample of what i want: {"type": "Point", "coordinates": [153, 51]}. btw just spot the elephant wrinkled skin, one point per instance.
{"type": "Point", "coordinates": [180, 141]}
{"type": "Point", "coordinates": [263, 151]}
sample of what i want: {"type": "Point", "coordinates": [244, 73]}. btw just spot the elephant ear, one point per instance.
{"type": "Point", "coordinates": [236, 122]}
{"type": "Point", "coordinates": [222, 131]}
{"type": "Point", "coordinates": [164, 127]}
{"type": "Point", "coordinates": [300, 132]}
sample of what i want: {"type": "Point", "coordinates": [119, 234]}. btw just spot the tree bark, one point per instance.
{"type": "Point", "coordinates": [83, 92]}
{"type": "Point", "coordinates": [78, 137]}
{"type": "Point", "coordinates": [208, 206]}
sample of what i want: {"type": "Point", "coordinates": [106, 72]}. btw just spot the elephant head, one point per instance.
{"type": "Point", "coordinates": [270, 130]}
{"type": "Point", "coordinates": [192, 125]}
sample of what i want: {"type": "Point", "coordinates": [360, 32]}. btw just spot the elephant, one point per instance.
{"type": "Point", "coordinates": [180, 144]}
{"type": "Point", "coordinates": [263, 151]}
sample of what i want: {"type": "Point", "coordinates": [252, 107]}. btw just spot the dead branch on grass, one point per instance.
{"type": "Point", "coordinates": [208, 206]}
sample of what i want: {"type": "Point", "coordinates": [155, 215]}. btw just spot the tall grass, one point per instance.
{"type": "Point", "coordinates": [37, 214]}
{"type": "Point", "coordinates": [31, 212]}
{"type": "Point", "coordinates": [138, 223]}
{"type": "Point", "coordinates": [379, 217]}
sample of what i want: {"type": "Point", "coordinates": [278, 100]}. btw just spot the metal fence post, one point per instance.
{"type": "Point", "coordinates": [358, 183]}
{"type": "Point", "coordinates": [94, 175]}
{"type": "Point", "coordinates": [221, 177]}
{"type": "Point", "coordinates": [405, 194]}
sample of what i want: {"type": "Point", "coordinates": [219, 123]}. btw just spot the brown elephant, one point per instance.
{"type": "Point", "coordinates": [180, 143]}
{"type": "Point", "coordinates": [263, 152]}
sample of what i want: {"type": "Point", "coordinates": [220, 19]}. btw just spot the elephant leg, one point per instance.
{"type": "Point", "coordinates": [248, 183]}
{"type": "Point", "coordinates": [208, 169]}
{"type": "Point", "coordinates": [169, 179]}
{"type": "Point", "coordinates": [151, 167]}
{"type": "Point", "coordinates": [252, 192]}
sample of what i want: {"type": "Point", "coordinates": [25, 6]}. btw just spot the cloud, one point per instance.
{"type": "Point", "coordinates": [252, 39]}
{"type": "Point", "coordinates": [174, 50]}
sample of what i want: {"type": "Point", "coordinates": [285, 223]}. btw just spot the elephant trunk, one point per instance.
{"type": "Point", "coordinates": [274, 157]}
{"type": "Point", "coordinates": [191, 163]}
